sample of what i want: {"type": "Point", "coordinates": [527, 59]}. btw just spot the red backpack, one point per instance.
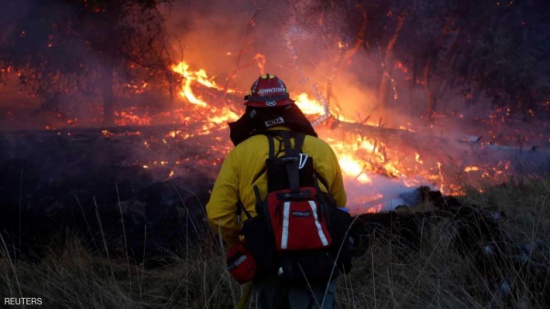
{"type": "Point", "coordinates": [299, 214]}
{"type": "Point", "coordinates": [297, 217]}
{"type": "Point", "coordinates": [298, 231]}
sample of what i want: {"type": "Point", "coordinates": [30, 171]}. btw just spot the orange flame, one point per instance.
{"type": "Point", "coordinates": [215, 116]}
{"type": "Point", "coordinates": [261, 62]}
{"type": "Point", "coordinates": [360, 157]}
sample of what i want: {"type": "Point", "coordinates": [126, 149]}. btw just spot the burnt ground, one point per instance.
{"type": "Point", "coordinates": [87, 182]}
{"type": "Point", "coordinates": [92, 184]}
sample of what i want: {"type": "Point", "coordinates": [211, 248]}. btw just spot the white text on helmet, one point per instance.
{"type": "Point", "coordinates": [271, 90]}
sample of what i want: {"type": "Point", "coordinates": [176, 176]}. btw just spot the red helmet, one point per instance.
{"type": "Point", "coordinates": [268, 91]}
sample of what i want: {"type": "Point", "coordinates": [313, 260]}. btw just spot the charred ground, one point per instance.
{"type": "Point", "coordinates": [88, 183]}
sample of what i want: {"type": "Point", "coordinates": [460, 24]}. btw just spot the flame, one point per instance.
{"type": "Point", "coordinates": [417, 158]}
{"type": "Point", "coordinates": [224, 116]}
{"type": "Point", "coordinates": [189, 77]}
{"type": "Point", "coordinates": [261, 62]}
{"type": "Point", "coordinates": [468, 169]}
{"type": "Point", "coordinates": [214, 115]}
{"type": "Point", "coordinates": [352, 167]}
{"type": "Point", "coordinates": [360, 157]}
{"type": "Point", "coordinates": [375, 209]}
{"type": "Point", "coordinates": [137, 89]}
{"type": "Point", "coordinates": [363, 159]}
{"type": "Point", "coordinates": [308, 105]}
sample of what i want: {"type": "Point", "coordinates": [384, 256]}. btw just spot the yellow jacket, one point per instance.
{"type": "Point", "coordinates": [244, 163]}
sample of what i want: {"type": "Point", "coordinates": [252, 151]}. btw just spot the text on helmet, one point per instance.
{"type": "Point", "coordinates": [271, 90]}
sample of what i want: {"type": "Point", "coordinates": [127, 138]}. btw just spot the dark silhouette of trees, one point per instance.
{"type": "Point", "coordinates": [492, 49]}
{"type": "Point", "coordinates": [480, 48]}
{"type": "Point", "coordinates": [95, 47]}
{"type": "Point", "coordinates": [489, 48]}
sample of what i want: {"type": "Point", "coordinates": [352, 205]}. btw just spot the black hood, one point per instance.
{"type": "Point", "coordinates": [256, 120]}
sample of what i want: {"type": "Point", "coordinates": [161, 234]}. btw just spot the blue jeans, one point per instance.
{"type": "Point", "coordinates": [272, 293]}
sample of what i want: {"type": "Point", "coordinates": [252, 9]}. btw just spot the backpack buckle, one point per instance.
{"type": "Point", "coordinates": [302, 161]}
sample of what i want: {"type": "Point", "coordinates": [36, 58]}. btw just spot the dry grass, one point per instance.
{"type": "Point", "coordinates": [75, 278]}
{"type": "Point", "coordinates": [388, 275]}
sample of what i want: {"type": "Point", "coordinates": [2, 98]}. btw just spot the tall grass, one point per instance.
{"type": "Point", "coordinates": [388, 273]}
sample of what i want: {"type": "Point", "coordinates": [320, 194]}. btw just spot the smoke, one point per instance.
{"type": "Point", "coordinates": [310, 46]}
{"type": "Point", "coordinates": [306, 43]}
{"type": "Point", "coordinates": [382, 194]}
{"type": "Point", "coordinates": [300, 42]}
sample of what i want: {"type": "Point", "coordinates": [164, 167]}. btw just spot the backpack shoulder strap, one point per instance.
{"type": "Point", "coordinates": [299, 141]}
{"type": "Point", "coordinates": [292, 160]}
{"type": "Point", "coordinates": [270, 140]}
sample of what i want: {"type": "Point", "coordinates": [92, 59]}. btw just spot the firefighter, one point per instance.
{"type": "Point", "coordinates": [269, 107]}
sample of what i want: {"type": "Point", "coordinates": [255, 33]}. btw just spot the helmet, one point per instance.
{"type": "Point", "coordinates": [268, 91]}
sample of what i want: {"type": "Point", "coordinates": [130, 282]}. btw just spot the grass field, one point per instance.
{"type": "Point", "coordinates": [387, 274]}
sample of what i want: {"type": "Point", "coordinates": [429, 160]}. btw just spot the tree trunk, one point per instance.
{"type": "Point", "coordinates": [108, 96]}
{"type": "Point", "coordinates": [386, 82]}
{"type": "Point", "coordinates": [434, 72]}
{"type": "Point", "coordinates": [431, 95]}
{"type": "Point", "coordinates": [384, 93]}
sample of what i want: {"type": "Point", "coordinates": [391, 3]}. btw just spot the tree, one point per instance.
{"type": "Point", "coordinates": [493, 49]}
{"type": "Point", "coordinates": [90, 46]}
{"type": "Point", "coordinates": [480, 48]}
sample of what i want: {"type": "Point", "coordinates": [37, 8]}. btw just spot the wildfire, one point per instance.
{"type": "Point", "coordinates": [308, 105]}
{"type": "Point", "coordinates": [226, 115]}
{"type": "Point", "coordinates": [360, 157]}
{"type": "Point", "coordinates": [198, 76]}
{"type": "Point", "coordinates": [214, 114]}
{"type": "Point", "coordinates": [189, 77]}
{"type": "Point", "coordinates": [186, 91]}
{"type": "Point", "coordinates": [261, 62]}
{"type": "Point", "coordinates": [368, 164]}
{"type": "Point", "coordinates": [353, 168]}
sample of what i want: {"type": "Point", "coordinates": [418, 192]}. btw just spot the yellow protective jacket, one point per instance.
{"type": "Point", "coordinates": [244, 163]}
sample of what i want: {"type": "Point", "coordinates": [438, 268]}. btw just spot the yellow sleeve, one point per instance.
{"type": "Point", "coordinates": [221, 209]}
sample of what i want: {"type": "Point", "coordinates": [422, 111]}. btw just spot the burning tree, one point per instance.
{"type": "Point", "coordinates": [94, 48]}
{"type": "Point", "coordinates": [487, 49]}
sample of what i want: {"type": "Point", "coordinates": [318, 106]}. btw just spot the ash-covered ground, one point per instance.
{"type": "Point", "coordinates": [126, 185]}
{"type": "Point", "coordinates": [143, 189]}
